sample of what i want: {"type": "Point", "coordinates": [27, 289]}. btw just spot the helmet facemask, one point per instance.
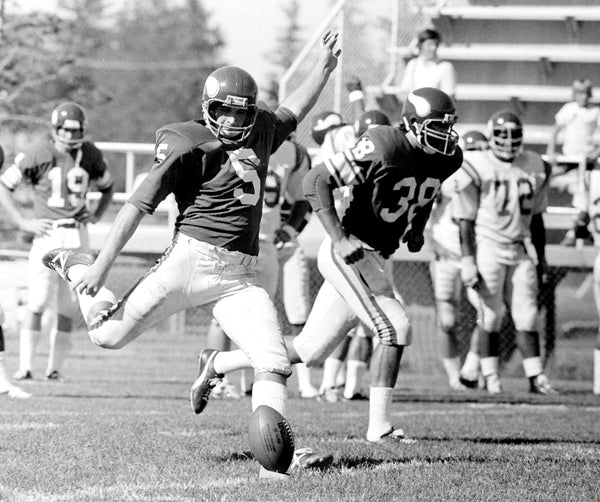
{"type": "Point", "coordinates": [507, 140]}
{"type": "Point", "coordinates": [225, 132]}
{"type": "Point", "coordinates": [436, 134]}
{"type": "Point", "coordinates": [68, 125]}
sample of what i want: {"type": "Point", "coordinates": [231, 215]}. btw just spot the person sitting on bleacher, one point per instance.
{"type": "Point", "coordinates": [426, 69]}
{"type": "Point", "coordinates": [578, 120]}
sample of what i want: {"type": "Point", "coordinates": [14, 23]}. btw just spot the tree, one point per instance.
{"type": "Point", "coordinates": [288, 46]}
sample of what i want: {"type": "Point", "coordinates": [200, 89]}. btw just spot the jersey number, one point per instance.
{"type": "Point", "coordinates": [72, 191]}
{"type": "Point", "coordinates": [244, 162]}
{"type": "Point", "coordinates": [407, 200]}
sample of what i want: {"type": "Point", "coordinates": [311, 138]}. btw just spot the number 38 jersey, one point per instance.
{"type": "Point", "coordinates": [60, 180]}
{"type": "Point", "coordinates": [219, 191]}
{"type": "Point", "coordinates": [501, 196]}
{"type": "Point", "coordinates": [391, 182]}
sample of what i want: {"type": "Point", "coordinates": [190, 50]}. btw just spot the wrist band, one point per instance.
{"type": "Point", "coordinates": [356, 96]}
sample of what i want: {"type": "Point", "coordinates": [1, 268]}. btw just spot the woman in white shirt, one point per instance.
{"type": "Point", "coordinates": [426, 69]}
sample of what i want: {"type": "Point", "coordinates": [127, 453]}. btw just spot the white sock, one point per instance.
{"type": "Point", "coordinates": [533, 366]}
{"type": "Point", "coordinates": [489, 365]}
{"type": "Point", "coordinates": [596, 371]}
{"type": "Point", "coordinates": [354, 374]}
{"type": "Point", "coordinates": [470, 368]}
{"type": "Point", "coordinates": [231, 360]}
{"type": "Point", "coordinates": [380, 401]}
{"type": "Point", "coordinates": [452, 367]}
{"type": "Point", "coordinates": [60, 345]}
{"type": "Point", "coordinates": [269, 393]}
{"type": "Point", "coordinates": [340, 379]}
{"type": "Point", "coordinates": [303, 375]}
{"type": "Point", "coordinates": [331, 368]}
{"type": "Point", "coordinates": [28, 341]}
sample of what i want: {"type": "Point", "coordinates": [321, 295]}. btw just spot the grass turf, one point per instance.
{"type": "Point", "coordinates": [119, 427]}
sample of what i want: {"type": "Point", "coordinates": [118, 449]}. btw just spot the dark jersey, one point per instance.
{"type": "Point", "coordinates": [219, 191]}
{"type": "Point", "coordinates": [60, 180]}
{"type": "Point", "coordinates": [391, 182]}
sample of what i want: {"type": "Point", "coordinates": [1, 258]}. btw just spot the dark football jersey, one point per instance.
{"type": "Point", "coordinates": [391, 181]}
{"type": "Point", "coordinates": [219, 191]}
{"type": "Point", "coordinates": [60, 180]}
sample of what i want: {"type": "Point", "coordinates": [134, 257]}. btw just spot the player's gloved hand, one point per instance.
{"type": "Point", "coordinates": [284, 235]}
{"type": "Point", "coordinates": [37, 226]}
{"type": "Point", "coordinates": [350, 249]}
{"type": "Point", "coordinates": [414, 241]}
{"type": "Point", "coordinates": [469, 273]}
{"type": "Point", "coordinates": [328, 57]}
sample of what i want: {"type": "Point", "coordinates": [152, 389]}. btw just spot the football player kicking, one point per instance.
{"type": "Point", "coordinates": [395, 175]}
{"type": "Point", "coordinates": [216, 168]}
{"type": "Point", "coordinates": [61, 172]}
{"type": "Point", "coordinates": [285, 213]}
{"type": "Point", "coordinates": [501, 195]}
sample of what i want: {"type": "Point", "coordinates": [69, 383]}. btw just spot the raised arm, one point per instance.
{"type": "Point", "coordinates": [304, 98]}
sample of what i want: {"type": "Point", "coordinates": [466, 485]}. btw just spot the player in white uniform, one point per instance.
{"type": "Point", "coordinates": [60, 172]}
{"type": "Point", "coordinates": [501, 195]}
{"type": "Point", "coordinates": [587, 201]}
{"type": "Point", "coordinates": [443, 235]}
{"type": "Point", "coordinates": [285, 211]}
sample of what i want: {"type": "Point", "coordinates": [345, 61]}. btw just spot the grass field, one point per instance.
{"type": "Point", "coordinates": [120, 428]}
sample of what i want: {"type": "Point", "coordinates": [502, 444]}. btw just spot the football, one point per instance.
{"type": "Point", "coordinates": [271, 439]}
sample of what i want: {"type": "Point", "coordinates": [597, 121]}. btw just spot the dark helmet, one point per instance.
{"type": "Point", "coordinates": [370, 119]}
{"type": "Point", "coordinates": [505, 131]}
{"type": "Point", "coordinates": [69, 116]}
{"type": "Point", "coordinates": [474, 140]}
{"type": "Point", "coordinates": [324, 122]}
{"type": "Point", "coordinates": [430, 114]}
{"type": "Point", "coordinates": [235, 88]}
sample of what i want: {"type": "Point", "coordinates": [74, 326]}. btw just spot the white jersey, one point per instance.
{"type": "Point", "coordinates": [501, 197]}
{"type": "Point", "coordinates": [443, 229]}
{"type": "Point", "coordinates": [337, 140]}
{"type": "Point", "coordinates": [588, 200]}
{"type": "Point", "coordinates": [287, 168]}
{"type": "Point", "coordinates": [579, 125]}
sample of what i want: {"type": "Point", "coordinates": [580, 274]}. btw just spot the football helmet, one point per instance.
{"type": "Point", "coordinates": [505, 131]}
{"type": "Point", "coordinates": [324, 122]}
{"type": "Point", "coordinates": [474, 140]}
{"type": "Point", "coordinates": [370, 119]}
{"type": "Point", "coordinates": [68, 124]}
{"type": "Point", "coordinates": [430, 115]}
{"type": "Point", "coordinates": [235, 88]}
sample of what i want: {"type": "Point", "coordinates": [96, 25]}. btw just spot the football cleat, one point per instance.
{"type": "Point", "coordinates": [23, 375]}
{"type": "Point", "coordinates": [330, 395]}
{"type": "Point", "coordinates": [306, 458]}
{"type": "Point", "coordinates": [394, 436]}
{"type": "Point", "coordinates": [53, 376]}
{"type": "Point", "coordinates": [492, 384]}
{"type": "Point", "coordinates": [540, 385]}
{"type": "Point", "coordinates": [309, 393]}
{"type": "Point", "coordinates": [470, 384]}
{"type": "Point", "coordinates": [357, 396]}
{"type": "Point", "coordinates": [458, 385]}
{"type": "Point", "coordinates": [61, 260]}
{"type": "Point", "coordinates": [207, 379]}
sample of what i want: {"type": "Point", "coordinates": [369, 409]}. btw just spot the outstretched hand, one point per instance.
{"type": "Point", "coordinates": [329, 54]}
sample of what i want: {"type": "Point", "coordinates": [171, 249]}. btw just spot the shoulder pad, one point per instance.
{"type": "Point", "coordinates": [185, 136]}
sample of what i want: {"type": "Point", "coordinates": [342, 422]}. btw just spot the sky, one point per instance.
{"type": "Point", "coordinates": [249, 27]}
